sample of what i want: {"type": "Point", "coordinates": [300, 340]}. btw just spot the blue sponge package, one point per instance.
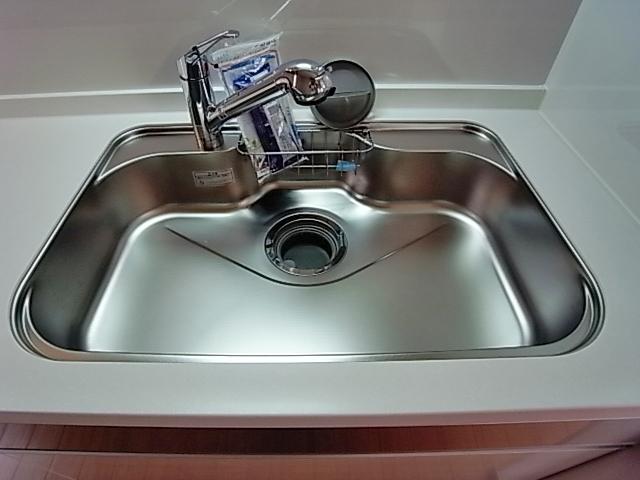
{"type": "Point", "coordinates": [269, 128]}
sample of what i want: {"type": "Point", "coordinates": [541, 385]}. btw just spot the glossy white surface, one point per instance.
{"type": "Point", "coordinates": [74, 45]}
{"type": "Point", "coordinates": [52, 155]}
{"type": "Point", "coordinates": [593, 95]}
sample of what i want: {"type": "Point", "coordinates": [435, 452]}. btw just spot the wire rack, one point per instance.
{"type": "Point", "coordinates": [325, 150]}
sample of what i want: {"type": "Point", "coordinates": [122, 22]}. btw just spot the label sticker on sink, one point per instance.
{"type": "Point", "coordinates": [213, 178]}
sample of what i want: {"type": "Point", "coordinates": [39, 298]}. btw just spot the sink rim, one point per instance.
{"type": "Point", "coordinates": [29, 338]}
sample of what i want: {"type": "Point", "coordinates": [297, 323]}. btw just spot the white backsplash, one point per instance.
{"type": "Point", "coordinates": [88, 45]}
{"type": "Point", "coordinates": [593, 96]}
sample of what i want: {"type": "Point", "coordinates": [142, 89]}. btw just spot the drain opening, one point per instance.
{"type": "Point", "coordinates": [306, 250]}
{"type": "Point", "coordinates": [305, 243]}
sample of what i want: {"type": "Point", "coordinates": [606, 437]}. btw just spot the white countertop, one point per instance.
{"type": "Point", "coordinates": [42, 164]}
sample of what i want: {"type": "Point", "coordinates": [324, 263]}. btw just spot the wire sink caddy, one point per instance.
{"type": "Point", "coordinates": [325, 150]}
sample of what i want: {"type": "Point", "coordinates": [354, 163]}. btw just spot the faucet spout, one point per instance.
{"type": "Point", "coordinates": [308, 83]}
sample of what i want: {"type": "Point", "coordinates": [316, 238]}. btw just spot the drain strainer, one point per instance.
{"type": "Point", "coordinates": [305, 242]}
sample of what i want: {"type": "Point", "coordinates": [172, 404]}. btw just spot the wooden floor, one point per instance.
{"type": "Point", "coordinates": [478, 452]}
{"type": "Point", "coordinates": [460, 466]}
{"type": "Point", "coordinates": [228, 441]}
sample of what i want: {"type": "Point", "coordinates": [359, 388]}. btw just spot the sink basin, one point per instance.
{"type": "Point", "coordinates": [436, 246]}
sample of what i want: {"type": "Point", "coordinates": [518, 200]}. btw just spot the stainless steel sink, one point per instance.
{"type": "Point", "coordinates": [435, 247]}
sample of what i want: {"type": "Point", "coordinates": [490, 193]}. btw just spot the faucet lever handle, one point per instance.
{"type": "Point", "coordinates": [203, 47]}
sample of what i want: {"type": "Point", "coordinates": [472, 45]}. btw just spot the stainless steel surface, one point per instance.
{"type": "Point", "coordinates": [354, 97]}
{"type": "Point", "coordinates": [193, 69]}
{"type": "Point", "coordinates": [449, 254]}
{"type": "Point", "coordinates": [308, 83]}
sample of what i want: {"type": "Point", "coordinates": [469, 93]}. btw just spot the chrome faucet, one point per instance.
{"type": "Point", "coordinates": [307, 81]}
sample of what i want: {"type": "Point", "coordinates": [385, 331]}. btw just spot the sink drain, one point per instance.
{"type": "Point", "coordinates": [305, 243]}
